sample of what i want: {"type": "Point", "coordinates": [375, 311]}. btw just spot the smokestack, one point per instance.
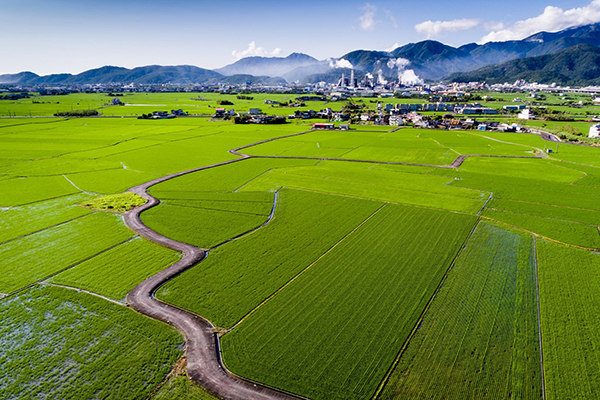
{"type": "Point", "coordinates": [352, 78]}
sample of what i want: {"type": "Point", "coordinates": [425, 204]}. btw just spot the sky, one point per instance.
{"type": "Point", "coordinates": [72, 36]}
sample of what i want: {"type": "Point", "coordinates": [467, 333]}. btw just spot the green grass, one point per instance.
{"type": "Point", "coordinates": [119, 203]}
{"type": "Point", "coordinates": [236, 277]}
{"type": "Point", "coordinates": [117, 271]}
{"type": "Point", "coordinates": [568, 280]}
{"type": "Point", "coordinates": [57, 343]}
{"type": "Point", "coordinates": [479, 338]}
{"type": "Point", "coordinates": [31, 258]}
{"type": "Point", "coordinates": [333, 332]}
{"type": "Point", "coordinates": [180, 387]}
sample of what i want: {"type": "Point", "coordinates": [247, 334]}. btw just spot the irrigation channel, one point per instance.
{"type": "Point", "coordinates": [203, 351]}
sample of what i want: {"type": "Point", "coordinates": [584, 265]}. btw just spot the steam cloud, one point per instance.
{"type": "Point", "coordinates": [341, 63]}
{"type": "Point", "coordinates": [407, 77]}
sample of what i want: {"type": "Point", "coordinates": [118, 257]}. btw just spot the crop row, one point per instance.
{"type": "Point", "coordinates": [479, 338]}
{"type": "Point", "coordinates": [199, 226]}
{"type": "Point", "coordinates": [569, 279]}
{"type": "Point", "coordinates": [365, 181]}
{"type": "Point", "coordinates": [18, 221]}
{"type": "Point", "coordinates": [333, 332]}
{"type": "Point", "coordinates": [237, 277]}
{"type": "Point", "coordinates": [34, 257]}
{"type": "Point", "coordinates": [563, 231]}
{"type": "Point", "coordinates": [116, 271]}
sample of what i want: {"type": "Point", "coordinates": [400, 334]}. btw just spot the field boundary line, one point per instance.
{"type": "Point", "coordinates": [392, 367]}
{"type": "Point", "coordinates": [69, 267]}
{"type": "Point", "coordinates": [248, 232]}
{"type": "Point", "coordinates": [84, 291]}
{"type": "Point", "coordinates": [304, 270]}
{"type": "Point", "coordinates": [539, 316]}
{"type": "Point", "coordinates": [78, 188]}
{"type": "Point", "coordinates": [486, 203]}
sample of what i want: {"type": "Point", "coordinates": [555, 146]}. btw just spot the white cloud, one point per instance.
{"type": "Point", "coordinates": [254, 50]}
{"type": "Point", "coordinates": [553, 19]}
{"type": "Point", "coordinates": [391, 17]}
{"type": "Point", "coordinates": [367, 20]}
{"type": "Point", "coordinates": [435, 28]}
{"type": "Point", "coordinates": [341, 63]}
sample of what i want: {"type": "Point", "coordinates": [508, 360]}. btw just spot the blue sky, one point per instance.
{"type": "Point", "coordinates": [75, 35]}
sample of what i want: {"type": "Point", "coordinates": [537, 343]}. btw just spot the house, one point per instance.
{"type": "Point", "coordinates": [254, 111]}
{"type": "Point", "coordinates": [344, 127]}
{"type": "Point", "coordinates": [323, 126]}
{"type": "Point", "coordinates": [594, 131]}
{"type": "Point", "coordinates": [525, 114]}
{"type": "Point", "coordinates": [395, 120]}
{"type": "Point", "coordinates": [518, 107]}
{"type": "Point", "coordinates": [178, 113]}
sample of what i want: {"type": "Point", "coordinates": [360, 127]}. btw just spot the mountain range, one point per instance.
{"type": "Point", "coordinates": [426, 60]}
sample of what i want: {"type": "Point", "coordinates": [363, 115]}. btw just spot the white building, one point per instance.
{"type": "Point", "coordinates": [594, 131]}
{"type": "Point", "coordinates": [525, 114]}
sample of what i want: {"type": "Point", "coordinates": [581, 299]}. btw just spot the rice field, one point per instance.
{"type": "Point", "coordinates": [367, 293]}
{"type": "Point", "coordinates": [479, 339]}
{"type": "Point", "coordinates": [59, 343]}
{"type": "Point", "coordinates": [337, 296]}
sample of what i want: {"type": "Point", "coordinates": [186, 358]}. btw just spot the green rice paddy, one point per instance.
{"type": "Point", "coordinates": [362, 284]}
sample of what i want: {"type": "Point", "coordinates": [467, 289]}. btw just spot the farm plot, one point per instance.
{"type": "Point", "coordinates": [465, 142]}
{"type": "Point", "coordinates": [479, 338]}
{"type": "Point", "coordinates": [200, 226]}
{"type": "Point", "coordinates": [116, 271]}
{"type": "Point", "coordinates": [550, 211]}
{"type": "Point", "coordinates": [390, 183]}
{"type": "Point", "coordinates": [226, 178]}
{"type": "Point", "coordinates": [578, 234]}
{"type": "Point", "coordinates": [257, 203]}
{"type": "Point", "coordinates": [23, 220]}
{"type": "Point", "coordinates": [569, 280]}
{"type": "Point", "coordinates": [401, 146]}
{"type": "Point", "coordinates": [530, 189]}
{"type": "Point", "coordinates": [334, 332]}
{"type": "Point", "coordinates": [34, 257]}
{"type": "Point", "coordinates": [238, 276]}
{"type": "Point", "coordinates": [60, 344]}
{"type": "Point", "coordinates": [19, 191]}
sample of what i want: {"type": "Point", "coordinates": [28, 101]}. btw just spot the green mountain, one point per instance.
{"type": "Point", "coordinates": [578, 65]}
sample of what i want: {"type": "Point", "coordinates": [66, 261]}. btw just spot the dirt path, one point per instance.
{"type": "Point", "coordinates": [204, 364]}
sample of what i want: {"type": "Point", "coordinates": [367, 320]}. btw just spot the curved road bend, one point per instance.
{"type": "Point", "coordinates": [203, 360]}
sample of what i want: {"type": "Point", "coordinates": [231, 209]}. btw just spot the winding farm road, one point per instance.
{"type": "Point", "coordinates": [204, 364]}
{"type": "Point", "coordinates": [202, 353]}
